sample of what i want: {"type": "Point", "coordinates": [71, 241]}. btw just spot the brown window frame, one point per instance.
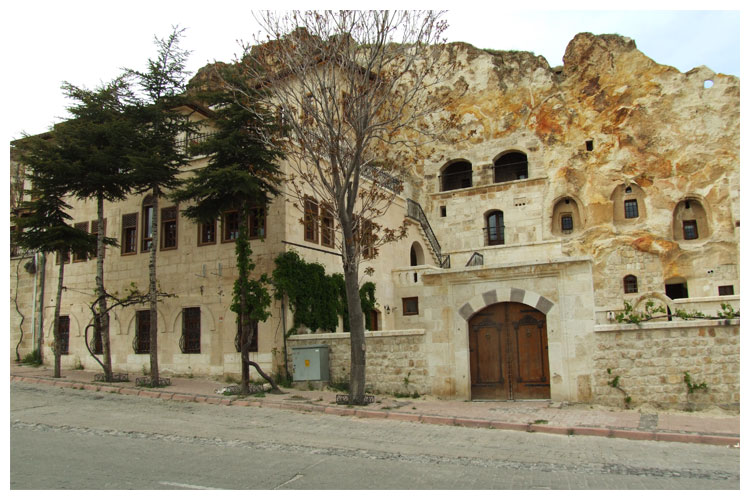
{"type": "Point", "coordinates": [127, 225]}
{"type": "Point", "coordinates": [228, 238]}
{"type": "Point", "coordinates": [499, 238]}
{"type": "Point", "coordinates": [726, 290]}
{"type": "Point", "coordinates": [310, 220]}
{"type": "Point", "coordinates": [327, 231]}
{"type": "Point", "coordinates": [78, 257]}
{"type": "Point", "coordinates": [563, 218]}
{"type": "Point", "coordinates": [201, 233]}
{"type": "Point", "coordinates": [173, 214]}
{"type": "Point", "coordinates": [57, 258]}
{"type": "Point", "coordinates": [408, 300]}
{"type": "Point", "coordinates": [95, 232]}
{"type": "Point", "coordinates": [256, 223]}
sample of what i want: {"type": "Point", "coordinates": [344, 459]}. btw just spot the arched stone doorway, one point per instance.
{"type": "Point", "coordinates": [508, 353]}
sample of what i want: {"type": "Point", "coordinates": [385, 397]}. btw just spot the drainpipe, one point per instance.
{"type": "Point", "coordinates": [33, 303]}
{"type": "Point", "coordinates": [42, 264]}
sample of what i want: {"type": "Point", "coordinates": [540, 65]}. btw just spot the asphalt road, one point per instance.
{"type": "Point", "coordinates": [69, 439]}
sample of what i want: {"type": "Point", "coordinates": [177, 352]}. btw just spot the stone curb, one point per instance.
{"type": "Point", "coordinates": [674, 437]}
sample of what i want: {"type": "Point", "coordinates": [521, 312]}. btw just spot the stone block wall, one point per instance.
{"type": "Point", "coordinates": [651, 360]}
{"type": "Point", "coordinates": [392, 357]}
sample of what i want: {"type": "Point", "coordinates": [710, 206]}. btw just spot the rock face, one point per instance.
{"type": "Point", "coordinates": [611, 125]}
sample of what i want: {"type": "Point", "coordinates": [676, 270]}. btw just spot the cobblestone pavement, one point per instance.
{"type": "Point", "coordinates": [84, 439]}
{"type": "Point", "coordinates": [716, 427]}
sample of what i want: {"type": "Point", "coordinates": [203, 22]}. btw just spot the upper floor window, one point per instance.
{"type": "Point", "coordinates": [456, 176]}
{"type": "Point", "coordinates": [726, 290]}
{"type": "Point", "coordinates": [327, 234]}
{"type": "Point", "coordinates": [495, 228]}
{"type": "Point", "coordinates": [367, 239]}
{"type": "Point", "coordinates": [207, 233]}
{"type": "Point", "coordinates": [168, 228]}
{"type": "Point", "coordinates": [690, 220]}
{"type": "Point", "coordinates": [566, 223]}
{"type": "Point", "coordinates": [630, 284]}
{"type": "Point", "coordinates": [147, 209]}
{"type": "Point", "coordinates": [129, 234]}
{"type": "Point", "coordinates": [511, 167]}
{"type": "Point", "coordinates": [690, 229]}
{"type": "Point", "coordinates": [95, 229]}
{"type": "Point", "coordinates": [81, 256]}
{"type": "Point", "coordinates": [311, 220]}
{"type": "Point", "coordinates": [631, 209]}
{"type": "Point", "coordinates": [257, 223]}
{"type": "Point", "coordinates": [230, 226]}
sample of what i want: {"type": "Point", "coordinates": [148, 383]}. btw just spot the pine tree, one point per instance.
{"type": "Point", "coordinates": [241, 175]}
{"type": "Point", "coordinates": [160, 156]}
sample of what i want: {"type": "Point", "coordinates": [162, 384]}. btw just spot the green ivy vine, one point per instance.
{"type": "Point", "coordinates": [316, 299]}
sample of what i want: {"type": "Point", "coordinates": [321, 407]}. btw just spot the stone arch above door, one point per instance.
{"type": "Point", "coordinates": [539, 302]}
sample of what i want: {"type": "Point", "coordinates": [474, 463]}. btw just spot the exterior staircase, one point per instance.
{"type": "Point", "coordinates": [415, 212]}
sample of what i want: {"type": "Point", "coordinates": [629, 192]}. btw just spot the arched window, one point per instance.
{"type": "Point", "coordinates": [456, 176]}
{"type": "Point", "coordinates": [566, 218]}
{"type": "Point", "coordinates": [689, 221]}
{"type": "Point", "coordinates": [495, 228]}
{"type": "Point", "coordinates": [628, 203]}
{"type": "Point", "coordinates": [416, 255]}
{"type": "Point", "coordinates": [630, 284]}
{"type": "Point", "coordinates": [511, 167]}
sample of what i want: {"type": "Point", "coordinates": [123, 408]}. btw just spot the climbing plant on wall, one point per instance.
{"type": "Point", "coordinates": [316, 299]}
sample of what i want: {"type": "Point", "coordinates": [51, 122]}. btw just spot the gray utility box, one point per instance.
{"type": "Point", "coordinates": [310, 362]}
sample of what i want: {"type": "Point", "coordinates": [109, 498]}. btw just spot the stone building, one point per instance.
{"type": "Point", "coordinates": [609, 179]}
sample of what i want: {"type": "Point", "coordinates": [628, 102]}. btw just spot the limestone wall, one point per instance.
{"type": "Point", "coordinates": [21, 308]}
{"type": "Point", "coordinates": [651, 360]}
{"type": "Point", "coordinates": [392, 358]}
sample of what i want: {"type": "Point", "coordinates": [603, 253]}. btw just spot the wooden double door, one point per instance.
{"type": "Point", "coordinates": [508, 353]}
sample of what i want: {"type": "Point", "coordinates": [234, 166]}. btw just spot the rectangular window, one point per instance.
{"type": "Point", "coordinates": [257, 222]}
{"type": "Point", "coordinates": [367, 240]}
{"type": "Point", "coordinates": [230, 225]}
{"type": "Point", "coordinates": [81, 256]}
{"type": "Point", "coordinates": [64, 333]}
{"type": "Point", "coordinates": [142, 344]}
{"type": "Point", "coordinates": [327, 235]}
{"type": "Point", "coordinates": [168, 228]}
{"type": "Point", "coordinates": [207, 233]}
{"type": "Point", "coordinates": [410, 305]}
{"type": "Point", "coordinates": [311, 220]}
{"type": "Point", "coordinates": [66, 258]}
{"type": "Point", "coordinates": [129, 234]}
{"type": "Point", "coordinates": [190, 342]}
{"type": "Point", "coordinates": [148, 234]}
{"type": "Point", "coordinates": [726, 290]}
{"type": "Point", "coordinates": [631, 209]}
{"type": "Point", "coordinates": [566, 223]}
{"type": "Point", "coordinates": [690, 229]}
{"type": "Point", "coordinates": [13, 247]}
{"type": "Point", "coordinates": [95, 229]}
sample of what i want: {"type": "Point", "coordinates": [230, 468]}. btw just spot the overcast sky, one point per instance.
{"type": "Point", "coordinates": [88, 42]}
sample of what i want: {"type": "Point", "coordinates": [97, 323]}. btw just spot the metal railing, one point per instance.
{"type": "Point", "coordinates": [414, 211]}
{"type": "Point", "coordinates": [382, 178]}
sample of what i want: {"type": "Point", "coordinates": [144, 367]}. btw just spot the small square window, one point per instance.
{"type": "Point", "coordinates": [443, 211]}
{"type": "Point", "coordinates": [631, 209]}
{"type": "Point", "coordinates": [410, 305]}
{"type": "Point", "coordinates": [566, 223]}
{"type": "Point", "coordinates": [207, 233]}
{"type": "Point", "coordinates": [690, 229]}
{"type": "Point", "coordinates": [589, 145]}
{"type": "Point", "coordinates": [726, 290]}
{"type": "Point", "coordinates": [630, 284]}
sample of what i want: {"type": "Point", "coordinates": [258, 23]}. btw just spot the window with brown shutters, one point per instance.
{"type": "Point", "coordinates": [129, 245]}
{"type": "Point", "coordinates": [169, 228]}
{"type": "Point", "coordinates": [327, 237]}
{"type": "Point", "coordinates": [81, 256]}
{"type": "Point", "coordinates": [311, 220]}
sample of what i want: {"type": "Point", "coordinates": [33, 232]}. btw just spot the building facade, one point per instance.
{"type": "Point", "coordinates": [609, 179]}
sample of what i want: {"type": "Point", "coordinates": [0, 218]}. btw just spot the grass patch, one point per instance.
{"type": "Point", "coordinates": [33, 358]}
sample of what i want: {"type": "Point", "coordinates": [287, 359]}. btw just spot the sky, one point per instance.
{"type": "Point", "coordinates": [88, 42]}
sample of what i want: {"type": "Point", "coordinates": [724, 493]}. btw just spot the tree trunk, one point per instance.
{"type": "Point", "coordinates": [153, 325]}
{"type": "Point", "coordinates": [101, 319]}
{"type": "Point", "coordinates": [56, 330]}
{"type": "Point", "coordinates": [356, 318]}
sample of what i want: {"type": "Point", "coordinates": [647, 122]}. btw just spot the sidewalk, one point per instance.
{"type": "Point", "coordinates": [528, 416]}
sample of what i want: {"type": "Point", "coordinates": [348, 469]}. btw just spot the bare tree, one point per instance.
{"type": "Point", "coordinates": [357, 93]}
